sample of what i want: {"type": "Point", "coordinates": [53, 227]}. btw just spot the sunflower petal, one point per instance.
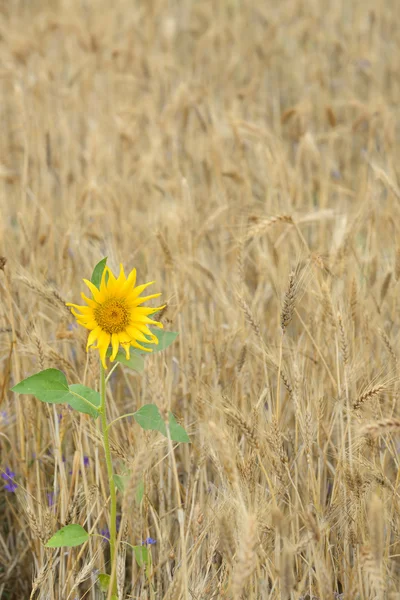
{"type": "Point", "coordinates": [137, 335]}
{"type": "Point", "coordinates": [130, 282]}
{"type": "Point", "coordinates": [145, 298]}
{"type": "Point", "coordinates": [87, 324]}
{"type": "Point", "coordinates": [137, 345]}
{"type": "Point", "coordinates": [147, 321]}
{"type": "Point", "coordinates": [121, 277]}
{"type": "Point", "coordinates": [92, 337]}
{"type": "Point", "coordinates": [139, 289]}
{"type": "Point", "coordinates": [97, 296]}
{"type": "Point", "coordinates": [107, 286]}
{"type": "Point", "coordinates": [115, 345]}
{"type": "Point", "coordinates": [88, 301]}
{"type": "Point", "coordinates": [145, 310]}
{"type": "Point", "coordinates": [103, 341]}
{"type": "Point", "coordinates": [127, 349]}
{"type": "Point", "coordinates": [86, 310]}
{"type": "Point", "coordinates": [144, 329]}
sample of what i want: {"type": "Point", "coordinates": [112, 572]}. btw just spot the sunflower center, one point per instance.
{"type": "Point", "coordinates": [112, 315]}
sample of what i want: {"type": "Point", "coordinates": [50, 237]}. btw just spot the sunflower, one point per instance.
{"type": "Point", "coordinates": [114, 315]}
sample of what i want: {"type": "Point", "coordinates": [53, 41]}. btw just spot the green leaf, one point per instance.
{"type": "Point", "coordinates": [98, 272]}
{"type": "Point", "coordinates": [80, 393]}
{"type": "Point", "coordinates": [149, 418]}
{"type": "Point", "coordinates": [176, 431]}
{"type": "Point", "coordinates": [69, 536]}
{"type": "Point", "coordinates": [165, 339]}
{"type": "Point", "coordinates": [49, 385]}
{"type": "Point", "coordinates": [104, 581]}
{"type": "Point", "coordinates": [135, 361]}
{"type": "Point", "coordinates": [141, 555]}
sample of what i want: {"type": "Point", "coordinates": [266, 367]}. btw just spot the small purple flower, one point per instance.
{"type": "Point", "coordinates": [85, 461]}
{"type": "Point", "coordinates": [149, 542]}
{"type": "Point", "coordinates": [8, 476]}
{"type": "Point", "coordinates": [50, 498]}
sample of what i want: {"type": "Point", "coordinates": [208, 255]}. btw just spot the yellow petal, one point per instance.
{"type": "Point", "coordinates": [136, 335]}
{"type": "Point", "coordinates": [103, 342]}
{"type": "Point", "coordinates": [95, 292]}
{"type": "Point", "coordinates": [130, 282]}
{"type": "Point", "coordinates": [145, 298]}
{"type": "Point", "coordinates": [103, 352]}
{"type": "Point", "coordinates": [147, 321]}
{"type": "Point", "coordinates": [145, 310]}
{"type": "Point", "coordinates": [103, 339]}
{"type": "Point", "coordinates": [75, 305]}
{"type": "Point", "coordinates": [86, 310]}
{"type": "Point", "coordinates": [138, 290]}
{"type": "Point", "coordinates": [92, 337]}
{"type": "Point", "coordinates": [125, 342]}
{"type": "Point", "coordinates": [107, 285]}
{"type": "Point", "coordinates": [144, 329]}
{"type": "Point", "coordinates": [137, 345]}
{"type": "Point", "coordinates": [123, 337]}
{"type": "Point", "coordinates": [121, 277]}
{"type": "Point", "coordinates": [87, 324]}
{"type": "Point", "coordinates": [91, 303]}
{"type": "Point", "coordinates": [115, 345]}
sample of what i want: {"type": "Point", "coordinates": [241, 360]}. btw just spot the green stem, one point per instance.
{"type": "Point", "coordinates": [113, 496]}
{"type": "Point", "coordinates": [121, 417]}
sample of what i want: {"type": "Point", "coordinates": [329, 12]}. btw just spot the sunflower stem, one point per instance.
{"type": "Point", "coordinates": [113, 496]}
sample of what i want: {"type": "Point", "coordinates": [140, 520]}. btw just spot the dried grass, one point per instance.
{"type": "Point", "coordinates": [244, 156]}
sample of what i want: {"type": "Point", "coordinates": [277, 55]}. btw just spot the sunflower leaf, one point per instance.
{"type": "Point", "coordinates": [104, 581]}
{"type": "Point", "coordinates": [69, 536]}
{"type": "Point", "coordinates": [84, 399]}
{"type": "Point", "coordinates": [150, 419]}
{"type": "Point", "coordinates": [141, 555]}
{"type": "Point", "coordinates": [176, 431]}
{"type": "Point", "coordinates": [49, 385]}
{"type": "Point", "coordinates": [135, 361]}
{"type": "Point", "coordinates": [98, 272]}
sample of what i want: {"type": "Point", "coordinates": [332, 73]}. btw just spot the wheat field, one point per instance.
{"type": "Point", "coordinates": [244, 155]}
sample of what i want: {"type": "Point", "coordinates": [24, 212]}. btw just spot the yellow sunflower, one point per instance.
{"type": "Point", "coordinates": [114, 315]}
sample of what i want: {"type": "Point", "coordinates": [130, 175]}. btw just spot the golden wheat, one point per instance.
{"type": "Point", "coordinates": [245, 156]}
